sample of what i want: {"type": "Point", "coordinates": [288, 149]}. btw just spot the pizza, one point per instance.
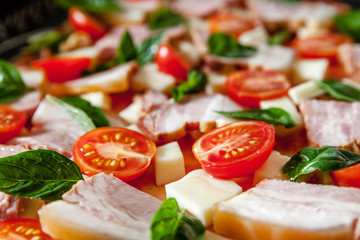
{"type": "Point", "coordinates": [217, 119]}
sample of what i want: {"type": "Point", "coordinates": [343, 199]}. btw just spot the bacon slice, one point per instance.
{"type": "Point", "coordinates": [101, 207]}
{"type": "Point", "coordinates": [285, 210]}
{"type": "Point", "coordinates": [349, 55]}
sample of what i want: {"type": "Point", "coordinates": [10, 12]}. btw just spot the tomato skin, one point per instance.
{"type": "Point", "coordinates": [81, 21]}
{"type": "Point", "coordinates": [235, 150]}
{"type": "Point", "coordinates": [59, 70]}
{"type": "Point", "coordinates": [229, 23]}
{"type": "Point", "coordinates": [112, 150]}
{"type": "Point", "coordinates": [172, 62]}
{"type": "Point", "coordinates": [11, 123]}
{"type": "Point", "coordinates": [323, 46]}
{"type": "Point", "coordinates": [29, 229]}
{"type": "Point", "coordinates": [348, 177]}
{"type": "Point", "coordinates": [249, 87]}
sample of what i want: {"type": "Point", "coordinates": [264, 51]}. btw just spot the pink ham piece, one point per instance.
{"type": "Point", "coordinates": [332, 123]}
{"type": "Point", "coordinates": [170, 121]}
{"type": "Point", "coordinates": [101, 207]}
{"type": "Point", "coordinates": [199, 8]}
{"type": "Point", "coordinates": [286, 210]}
{"type": "Point", "coordinates": [349, 55]}
{"type": "Point", "coordinates": [27, 103]}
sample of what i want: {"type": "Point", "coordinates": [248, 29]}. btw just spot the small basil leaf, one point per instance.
{"type": "Point", "coordinates": [94, 6]}
{"type": "Point", "coordinates": [148, 48]}
{"type": "Point", "coordinates": [50, 40]}
{"type": "Point", "coordinates": [339, 90]}
{"type": "Point", "coordinates": [196, 83]}
{"type": "Point", "coordinates": [164, 18]}
{"type": "Point", "coordinates": [275, 116]}
{"type": "Point", "coordinates": [95, 113]}
{"type": "Point", "coordinates": [172, 224]}
{"type": "Point", "coordinates": [224, 45]}
{"type": "Point", "coordinates": [349, 24]}
{"type": "Point", "coordinates": [76, 113]}
{"type": "Point", "coordinates": [42, 174]}
{"type": "Point", "coordinates": [325, 159]}
{"type": "Point", "coordinates": [126, 50]}
{"type": "Point", "coordinates": [280, 37]}
{"type": "Point", "coordinates": [11, 84]}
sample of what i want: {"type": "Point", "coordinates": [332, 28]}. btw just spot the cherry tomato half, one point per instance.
{"type": "Point", "coordinates": [82, 21]}
{"type": "Point", "coordinates": [323, 46]}
{"type": "Point", "coordinates": [235, 150]}
{"type": "Point", "coordinates": [348, 177]}
{"type": "Point", "coordinates": [172, 62]}
{"type": "Point", "coordinates": [113, 150]}
{"type": "Point", "coordinates": [60, 69]}
{"type": "Point", "coordinates": [22, 228]}
{"type": "Point", "coordinates": [249, 87]}
{"type": "Point", "coordinates": [11, 123]}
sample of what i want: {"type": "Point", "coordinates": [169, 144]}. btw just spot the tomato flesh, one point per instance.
{"type": "Point", "coordinates": [60, 70]}
{"type": "Point", "coordinates": [232, 24]}
{"type": "Point", "coordinates": [22, 229]}
{"type": "Point", "coordinates": [82, 21]}
{"type": "Point", "coordinates": [235, 150]}
{"type": "Point", "coordinates": [172, 62]}
{"type": "Point", "coordinates": [11, 123]}
{"type": "Point", "coordinates": [112, 150]}
{"type": "Point", "coordinates": [348, 177]}
{"type": "Point", "coordinates": [249, 87]}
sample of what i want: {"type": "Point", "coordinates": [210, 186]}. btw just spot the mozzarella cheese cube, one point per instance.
{"type": "Point", "coordinates": [149, 77]}
{"type": "Point", "coordinates": [309, 32]}
{"type": "Point", "coordinates": [310, 69]}
{"type": "Point", "coordinates": [254, 36]}
{"type": "Point", "coordinates": [305, 91]}
{"type": "Point", "coordinates": [272, 168]}
{"type": "Point", "coordinates": [98, 99]}
{"type": "Point", "coordinates": [189, 51]}
{"type": "Point", "coordinates": [32, 78]}
{"type": "Point", "coordinates": [286, 104]}
{"type": "Point", "coordinates": [197, 192]}
{"type": "Point", "coordinates": [130, 15]}
{"type": "Point", "coordinates": [216, 82]}
{"type": "Point", "coordinates": [169, 164]}
{"type": "Point", "coordinates": [132, 113]}
{"type": "Point", "coordinates": [90, 52]}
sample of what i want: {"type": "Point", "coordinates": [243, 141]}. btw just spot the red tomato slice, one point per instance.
{"type": "Point", "coordinates": [60, 69]}
{"type": "Point", "coordinates": [235, 150]}
{"type": "Point", "coordinates": [323, 46]}
{"type": "Point", "coordinates": [82, 21]}
{"type": "Point", "coordinates": [348, 177]}
{"type": "Point", "coordinates": [230, 23]}
{"type": "Point", "coordinates": [172, 62]}
{"type": "Point", "coordinates": [22, 229]}
{"type": "Point", "coordinates": [11, 123]}
{"type": "Point", "coordinates": [112, 150]}
{"type": "Point", "coordinates": [249, 87]}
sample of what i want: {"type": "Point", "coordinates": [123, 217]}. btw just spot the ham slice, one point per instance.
{"type": "Point", "coordinates": [101, 207]}
{"type": "Point", "coordinates": [28, 102]}
{"type": "Point", "coordinates": [349, 55]}
{"type": "Point", "coordinates": [332, 123]}
{"type": "Point", "coordinates": [199, 8]}
{"type": "Point", "coordinates": [285, 210]}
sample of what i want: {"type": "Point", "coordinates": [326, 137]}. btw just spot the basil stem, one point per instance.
{"type": "Point", "coordinates": [172, 224]}
{"type": "Point", "coordinates": [42, 174]}
{"type": "Point", "coordinates": [164, 18]}
{"type": "Point", "coordinates": [224, 45]}
{"type": "Point", "coordinates": [349, 24]}
{"type": "Point", "coordinates": [12, 85]}
{"type": "Point", "coordinates": [339, 90]}
{"type": "Point", "coordinates": [325, 159]}
{"type": "Point", "coordinates": [196, 83]}
{"type": "Point", "coordinates": [94, 6]}
{"type": "Point", "coordinates": [274, 116]}
{"type": "Point", "coordinates": [280, 37]}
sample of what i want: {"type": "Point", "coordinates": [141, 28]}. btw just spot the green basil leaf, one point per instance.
{"type": "Point", "coordinates": [42, 174]}
{"type": "Point", "coordinates": [325, 159]}
{"type": "Point", "coordinates": [148, 48]}
{"type": "Point", "coordinates": [274, 116]}
{"type": "Point", "coordinates": [50, 40]}
{"type": "Point", "coordinates": [95, 113]}
{"type": "Point", "coordinates": [126, 50]}
{"type": "Point", "coordinates": [172, 224]}
{"type": "Point", "coordinates": [164, 18]}
{"type": "Point", "coordinates": [349, 24]}
{"type": "Point", "coordinates": [12, 85]}
{"type": "Point", "coordinates": [280, 37]}
{"type": "Point", "coordinates": [224, 45]}
{"type": "Point", "coordinates": [76, 113]}
{"type": "Point", "coordinates": [95, 6]}
{"type": "Point", "coordinates": [196, 83]}
{"type": "Point", "coordinates": [339, 90]}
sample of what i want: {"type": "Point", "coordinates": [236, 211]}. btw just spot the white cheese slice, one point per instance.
{"type": "Point", "coordinates": [90, 52]}
{"type": "Point", "coordinates": [98, 99]}
{"type": "Point", "coordinates": [216, 82]}
{"type": "Point", "coordinates": [197, 192]}
{"type": "Point", "coordinates": [305, 91]}
{"type": "Point", "coordinates": [169, 164]}
{"type": "Point", "coordinates": [309, 32]}
{"type": "Point", "coordinates": [310, 69]}
{"type": "Point", "coordinates": [189, 50]}
{"type": "Point", "coordinates": [32, 77]}
{"type": "Point", "coordinates": [132, 112]}
{"type": "Point", "coordinates": [254, 36]}
{"type": "Point", "coordinates": [135, 128]}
